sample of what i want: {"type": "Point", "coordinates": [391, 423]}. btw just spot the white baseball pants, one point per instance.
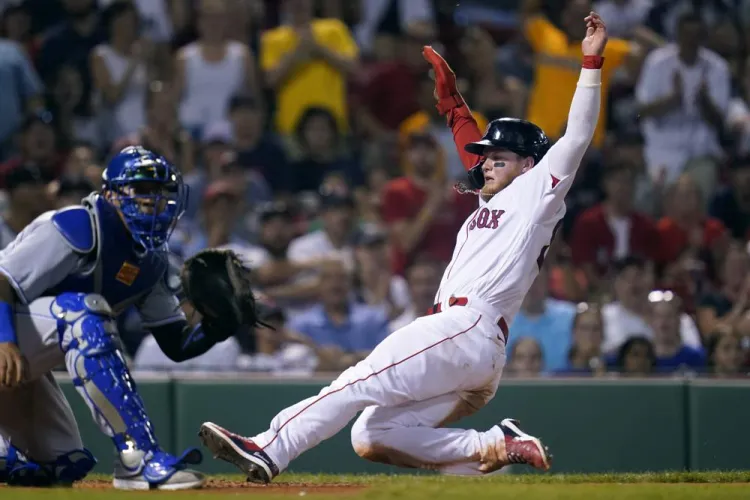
{"type": "Point", "coordinates": [434, 371]}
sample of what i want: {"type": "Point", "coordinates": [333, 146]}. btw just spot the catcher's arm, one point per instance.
{"type": "Point", "coordinates": [451, 104]}
{"type": "Point", "coordinates": [180, 341]}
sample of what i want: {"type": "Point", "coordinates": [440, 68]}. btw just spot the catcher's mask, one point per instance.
{"type": "Point", "coordinates": [519, 136]}
{"type": "Point", "coordinates": [148, 191]}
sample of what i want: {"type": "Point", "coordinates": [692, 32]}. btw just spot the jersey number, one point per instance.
{"type": "Point", "coordinates": [545, 248]}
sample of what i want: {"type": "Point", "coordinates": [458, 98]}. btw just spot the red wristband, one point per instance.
{"type": "Point", "coordinates": [593, 62]}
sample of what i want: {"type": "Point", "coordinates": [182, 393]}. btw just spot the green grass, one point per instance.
{"type": "Point", "coordinates": [667, 486]}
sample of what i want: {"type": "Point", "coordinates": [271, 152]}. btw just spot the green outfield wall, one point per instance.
{"type": "Point", "coordinates": [590, 425]}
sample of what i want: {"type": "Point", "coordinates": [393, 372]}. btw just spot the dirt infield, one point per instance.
{"type": "Point", "coordinates": [216, 485]}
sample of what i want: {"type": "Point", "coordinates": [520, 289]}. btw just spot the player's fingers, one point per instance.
{"type": "Point", "coordinates": [4, 370]}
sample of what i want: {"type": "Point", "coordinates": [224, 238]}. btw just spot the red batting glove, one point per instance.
{"type": "Point", "coordinates": [445, 82]}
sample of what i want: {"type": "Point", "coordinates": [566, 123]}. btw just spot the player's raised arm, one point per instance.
{"type": "Point", "coordinates": [451, 104]}
{"type": "Point", "coordinates": [566, 155]}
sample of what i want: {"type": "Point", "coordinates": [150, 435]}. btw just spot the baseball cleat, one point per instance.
{"type": "Point", "coordinates": [239, 451]}
{"type": "Point", "coordinates": [523, 448]}
{"type": "Point", "coordinates": [159, 471]}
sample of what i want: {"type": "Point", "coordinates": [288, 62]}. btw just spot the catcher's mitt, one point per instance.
{"type": "Point", "coordinates": [219, 287]}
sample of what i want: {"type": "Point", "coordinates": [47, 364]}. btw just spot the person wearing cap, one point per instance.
{"type": "Point", "coordinates": [37, 142]}
{"type": "Point", "coordinates": [376, 285]}
{"type": "Point", "coordinates": [27, 199]}
{"type": "Point", "coordinates": [420, 209]}
{"type": "Point", "coordinates": [217, 222]}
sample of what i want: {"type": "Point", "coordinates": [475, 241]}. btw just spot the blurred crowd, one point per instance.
{"type": "Point", "coordinates": [307, 132]}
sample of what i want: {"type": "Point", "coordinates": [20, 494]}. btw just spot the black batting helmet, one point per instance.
{"type": "Point", "coordinates": [520, 136]}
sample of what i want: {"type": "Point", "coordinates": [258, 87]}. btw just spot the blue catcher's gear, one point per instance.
{"type": "Point", "coordinates": [88, 337]}
{"type": "Point", "coordinates": [149, 192]}
{"type": "Point", "coordinates": [18, 470]}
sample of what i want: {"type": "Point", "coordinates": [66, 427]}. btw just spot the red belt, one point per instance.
{"type": "Point", "coordinates": [462, 301]}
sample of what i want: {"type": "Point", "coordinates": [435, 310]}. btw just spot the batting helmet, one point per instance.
{"type": "Point", "coordinates": [520, 136]}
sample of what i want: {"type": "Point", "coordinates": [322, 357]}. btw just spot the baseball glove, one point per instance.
{"type": "Point", "coordinates": [219, 287]}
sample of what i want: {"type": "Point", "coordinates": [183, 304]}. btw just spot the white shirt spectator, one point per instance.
{"type": "Point", "coordinates": [623, 17]}
{"type": "Point", "coordinates": [291, 359]}
{"type": "Point", "coordinates": [621, 324]}
{"type": "Point", "coordinates": [223, 356]}
{"type": "Point", "coordinates": [154, 15]}
{"type": "Point", "coordinates": [129, 114]}
{"type": "Point", "coordinates": [209, 86]}
{"type": "Point", "coordinates": [317, 245]}
{"type": "Point", "coordinates": [738, 118]}
{"type": "Point", "coordinates": [373, 11]}
{"type": "Point", "coordinates": [678, 136]}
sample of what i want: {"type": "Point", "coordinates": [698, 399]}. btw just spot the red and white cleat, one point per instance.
{"type": "Point", "coordinates": [239, 451]}
{"type": "Point", "coordinates": [523, 448]}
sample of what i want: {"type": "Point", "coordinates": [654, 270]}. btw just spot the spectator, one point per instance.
{"type": "Point", "coordinates": [558, 65]}
{"type": "Point", "coordinates": [120, 71]}
{"type": "Point", "coordinates": [15, 25]}
{"type": "Point", "coordinates": [731, 204]}
{"type": "Point", "coordinates": [211, 70]}
{"type": "Point", "coordinates": [27, 199]}
{"type": "Point", "coordinates": [257, 151]}
{"type": "Point", "coordinates": [322, 152]}
{"type": "Point", "coordinates": [428, 122]}
{"type": "Point", "coordinates": [22, 92]}
{"type": "Point", "coordinates": [686, 227]}
{"type": "Point", "coordinates": [612, 229]}
{"type": "Point", "coordinates": [664, 17]}
{"type": "Point", "coordinates": [548, 321]}
{"type": "Point", "coordinates": [585, 354]}
{"type": "Point", "coordinates": [724, 355]}
{"type": "Point", "coordinates": [671, 353]}
{"type": "Point", "coordinates": [343, 331]}
{"type": "Point", "coordinates": [69, 191]}
{"type": "Point", "coordinates": [624, 17]}
{"type": "Point", "coordinates": [277, 350]}
{"type": "Point", "coordinates": [376, 285]}
{"type": "Point", "coordinates": [726, 306]}
{"type": "Point", "coordinates": [525, 359]}
{"type": "Point", "coordinates": [636, 358]}
{"type": "Point", "coordinates": [423, 279]}
{"type": "Point", "coordinates": [307, 63]}
{"type": "Point", "coordinates": [493, 94]}
{"type": "Point", "coordinates": [64, 58]}
{"type": "Point", "coordinates": [38, 143]}
{"type": "Point", "coordinates": [683, 96]}
{"type": "Point", "coordinates": [382, 17]}
{"type": "Point", "coordinates": [162, 132]}
{"type": "Point", "coordinates": [738, 113]}
{"type": "Point", "coordinates": [388, 93]}
{"type": "Point", "coordinates": [627, 316]}
{"type": "Point", "coordinates": [82, 161]}
{"type": "Point", "coordinates": [421, 209]}
{"type": "Point", "coordinates": [222, 207]}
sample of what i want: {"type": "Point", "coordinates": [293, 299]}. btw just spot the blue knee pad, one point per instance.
{"type": "Point", "coordinates": [18, 470]}
{"type": "Point", "coordinates": [88, 336]}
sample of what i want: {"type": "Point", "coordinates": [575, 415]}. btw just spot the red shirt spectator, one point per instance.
{"type": "Point", "coordinates": [686, 226]}
{"type": "Point", "coordinates": [612, 229]}
{"type": "Point", "coordinates": [424, 215]}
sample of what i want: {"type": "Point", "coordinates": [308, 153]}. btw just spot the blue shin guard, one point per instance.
{"type": "Point", "coordinates": [16, 469]}
{"type": "Point", "coordinates": [88, 337]}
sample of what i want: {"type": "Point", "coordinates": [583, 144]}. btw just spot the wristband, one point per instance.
{"type": "Point", "coordinates": [593, 62]}
{"type": "Point", "coordinates": [7, 332]}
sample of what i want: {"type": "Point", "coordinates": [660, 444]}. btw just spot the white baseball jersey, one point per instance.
{"type": "Point", "coordinates": [502, 245]}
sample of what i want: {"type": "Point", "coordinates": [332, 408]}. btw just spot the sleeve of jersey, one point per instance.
{"type": "Point", "coordinates": [465, 130]}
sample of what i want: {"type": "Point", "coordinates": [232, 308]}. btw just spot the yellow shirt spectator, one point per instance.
{"type": "Point", "coordinates": [557, 67]}
{"type": "Point", "coordinates": [420, 123]}
{"type": "Point", "coordinates": [314, 83]}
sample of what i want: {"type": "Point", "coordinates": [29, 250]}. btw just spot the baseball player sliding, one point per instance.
{"type": "Point", "coordinates": [447, 364]}
{"type": "Point", "coordinates": [63, 280]}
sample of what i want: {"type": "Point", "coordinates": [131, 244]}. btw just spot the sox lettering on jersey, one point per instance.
{"type": "Point", "coordinates": [486, 219]}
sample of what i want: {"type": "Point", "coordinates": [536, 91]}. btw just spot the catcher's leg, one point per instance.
{"type": "Point", "coordinates": [453, 351]}
{"type": "Point", "coordinates": [412, 435]}
{"type": "Point", "coordinates": [88, 337]}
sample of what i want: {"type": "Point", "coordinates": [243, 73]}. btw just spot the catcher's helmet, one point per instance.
{"type": "Point", "coordinates": [520, 136]}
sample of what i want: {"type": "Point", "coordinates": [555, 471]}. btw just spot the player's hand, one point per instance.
{"type": "Point", "coordinates": [596, 36]}
{"type": "Point", "coordinates": [13, 366]}
{"type": "Point", "coordinates": [445, 78]}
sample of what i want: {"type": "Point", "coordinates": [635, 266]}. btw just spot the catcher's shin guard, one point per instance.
{"type": "Point", "coordinates": [16, 469]}
{"type": "Point", "coordinates": [88, 337]}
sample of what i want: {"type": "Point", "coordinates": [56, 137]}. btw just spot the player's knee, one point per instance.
{"type": "Point", "coordinates": [85, 321]}
{"type": "Point", "coordinates": [364, 442]}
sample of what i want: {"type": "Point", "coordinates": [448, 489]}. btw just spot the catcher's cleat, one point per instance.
{"type": "Point", "coordinates": [158, 471]}
{"type": "Point", "coordinates": [523, 448]}
{"type": "Point", "coordinates": [239, 451]}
